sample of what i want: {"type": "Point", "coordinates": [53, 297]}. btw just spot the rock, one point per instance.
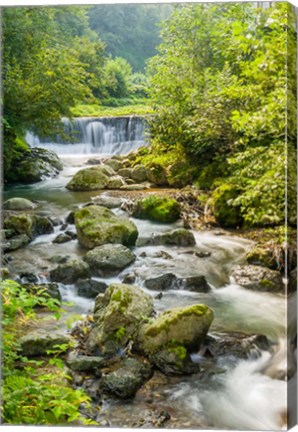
{"type": "Point", "coordinates": [16, 242]}
{"type": "Point", "coordinates": [90, 288]}
{"type": "Point", "coordinates": [93, 161]}
{"type": "Point", "coordinates": [174, 361]}
{"type": "Point", "coordinates": [129, 278]}
{"type": "Point", "coordinates": [156, 174]}
{"type": "Point", "coordinates": [28, 278]}
{"type": "Point", "coordinates": [194, 283]}
{"type": "Point", "coordinates": [42, 225]}
{"type": "Point", "coordinates": [125, 172]}
{"type": "Point", "coordinates": [161, 283]}
{"type": "Point", "coordinates": [157, 208]}
{"type": "Point", "coordinates": [115, 182]}
{"type": "Point", "coordinates": [52, 289]}
{"type": "Point", "coordinates": [176, 237]}
{"type": "Point", "coordinates": [36, 164]}
{"type": "Point", "coordinates": [107, 201]}
{"type": "Point", "coordinates": [71, 234]}
{"type": "Point", "coordinates": [292, 284]}
{"type": "Point", "coordinates": [5, 273]}
{"type": "Point", "coordinates": [262, 256]}
{"type": "Point", "coordinates": [19, 204]}
{"type": "Point", "coordinates": [117, 315]}
{"type": "Point", "coordinates": [59, 259]}
{"type": "Point", "coordinates": [125, 381]}
{"type": "Point", "coordinates": [89, 179]}
{"type": "Point", "coordinates": [84, 363]}
{"type": "Point", "coordinates": [131, 187]}
{"type": "Point", "coordinates": [70, 272]}
{"type": "Point", "coordinates": [31, 225]}
{"type": "Point", "coordinates": [139, 174]}
{"type": "Point", "coordinates": [70, 218]}
{"type": "Point", "coordinates": [56, 221]}
{"type": "Point", "coordinates": [109, 258]}
{"type": "Point", "coordinates": [114, 163]}
{"type": "Point", "coordinates": [38, 342]}
{"type": "Point", "coordinates": [258, 278]}
{"type": "Point", "coordinates": [152, 418]}
{"type": "Point", "coordinates": [62, 238]}
{"type": "Point", "coordinates": [64, 227]}
{"type": "Point", "coordinates": [187, 326]}
{"type": "Point", "coordinates": [98, 225]}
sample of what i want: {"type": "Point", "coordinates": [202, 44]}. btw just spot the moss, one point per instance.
{"type": "Point", "coordinates": [226, 214]}
{"type": "Point", "coordinates": [21, 224]}
{"type": "Point", "coordinates": [123, 299]}
{"type": "Point", "coordinates": [180, 352]}
{"type": "Point", "coordinates": [88, 179]}
{"type": "Point", "coordinates": [158, 208]}
{"type": "Point", "coordinates": [267, 283]}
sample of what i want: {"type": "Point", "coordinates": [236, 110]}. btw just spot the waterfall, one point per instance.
{"type": "Point", "coordinates": [89, 135]}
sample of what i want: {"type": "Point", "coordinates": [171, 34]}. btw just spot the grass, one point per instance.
{"type": "Point", "coordinates": [95, 110]}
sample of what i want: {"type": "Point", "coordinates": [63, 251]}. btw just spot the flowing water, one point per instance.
{"type": "Point", "coordinates": [242, 394]}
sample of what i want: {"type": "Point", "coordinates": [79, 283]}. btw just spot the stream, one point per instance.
{"type": "Point", "coordinates": [239, 395]}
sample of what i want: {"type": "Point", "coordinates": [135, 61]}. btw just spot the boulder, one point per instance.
{"type": "Point", "coordinates": [117, 315]}
{"type": "Point", "coordinates": [157, 208]}
{"type": "Point", "coordinates": [115, 182]}
{"type": "Point", "coordinates": [262, 256]}
{"type": "Point", "coordinates": [176, 237]}
{"type": "Point", "coordinates": [114, 163]}
{"type": "Point", "coordinates": [174, 361]}
{"type": "Point", "coordinates": [62, 238]}
{"type": "Point", "coordinates": [156, 174]}
{"type": "Point", "coordinates": [127, 379]}
{"type": "Point", "coordinates": [38, 342]}
{"type": "Point", "coordinates": [98, 225]}
{"type": "Point", "coordinates": [83, 363]}
{"type": "Point", "coordinates": [42, 225]}
{"type": "Point", "coordinates": [90, 288]}
{"type": "Point", "coordinates": [89, 179]}
{"type": "Point", "coordinates": [19, 223]}
{"type": "Point", "coordinates": [180, 326]}
{"type": "Point", "coordinates": [161, 283]}
{"type": "Point", "coordinates": [139, 174]}
{"type": "Point", "coordinates": [70, 272]}
{"type": "Point", "coordinates": [15, 243]}
{"type": "Point", "coordinates": [109, 258]}
{"type": "Point", "coordinates": [107, 201]}
{"type": "Point", "coordinates": [258, 278]}
{"type": "Point", "coordinates": [131, 187]}
{"type": "Point", "coordinates": [52, 289]}
{"type": "Point", "coordinates": [125, 172]}
{"type": "Point", "coordinates": [36, 164]}
{"type": "Point", "coordinates": [18, 204]}
{"type": "Point", "coordinates": [193, 283]}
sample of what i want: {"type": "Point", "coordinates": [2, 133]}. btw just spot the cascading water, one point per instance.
{"type": "Point", "coordinates": [89, 135]}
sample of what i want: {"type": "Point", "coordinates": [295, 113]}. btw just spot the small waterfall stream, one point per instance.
{"type": "Point", "coordinates": [90, 135]}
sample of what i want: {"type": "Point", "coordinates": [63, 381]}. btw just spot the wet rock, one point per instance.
{"type": "Point", "coordinates": [107, 201]}
{"type": "Point", "coordinates": [90, 288]}
{"type": "Point", "coordinates": [161, 283]}
{"type": "Point", "coordinates": [62, 238]}
{"type": "Point", "coordinates": [115, 182]}
{"type": "Point", "coordinates": [19, 204]}
{"type": "Point", "coordinates": [84, 363]}
{"type": "Point", "coordinates": [5, 273]}
{"type": "Point", "coordinates": [64, 227]}
{"type": "Point", "coordinates": [187, 326]}
{"type": "Point", "coordinates": [117, 315]}
{"type": "Point", "coordinates": [139, 186]}
{"type": "Point", "coordinates": [114, 163]}
{"type": "Point", "coordinates": [70, 219]}
{"type": "Point", "coordinates": [70, 272]}
{"type": "Point", "coordinates": [176, 237]}
{"type": "Point", "coordinates": [263, 257]}
{"type": "Point", "coordinates": [157, 208]}
{"type": "Point", "coordinates": [43, 225]}
{"type": "Point", "coordinates": [92, 388]}
{"type": "Point", "coordinates": [28, 278]}
{"type": "Point", "coordinates": [19, 223]}
{"type": "Point", "coordinates": [125, 172]}
{"type": "Point", "coordinates": [174, 361]}
{"type": "Point", "coordinates": [93, 161]}
{"type": "Point", "coordinates": [71, 234]}
{"type": "Point", "coordinates": [193, 283]}
{"type": "Point", "coordinates": [152, 419]}
{"type": "Point", "coordinates": [109, 258]}
{"type": "Point", "coordinates": [36, 164]}
{"type": "Point", "coordinates": [59, 259]}
{"type": "Point", "coordinates": [38, 342]}
{"type": "Point", "coordinates": [139, 174]}
{"type": "Point", "coordinates": [163, 254]}
{"type": "Point", "coordinates": [89, 179]}
{"type": "Point", "coordinates": [129, 278]}
{"type": "Point", "coordinates": [56, 221]}
{"type": "Point", "coordinates": [16, 242]}
{"type": "Point", "coordinates": [236, 344]}
{"type": "Point", "coordinates": [125, 381]}
{"type": "Point", "coordinates": [156, 174]}
{"type": "Point", "coordinates": [258, 278]}
{"type": "Point", "coordinates": [98, 225]}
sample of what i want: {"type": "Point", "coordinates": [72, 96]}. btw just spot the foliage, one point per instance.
{"type": "Point", "coordinates": [158, 208]}
{"type": "Point", "coordinates": [117, 73]}
{"type": "Point", "coordinates": [106, 111]}
{"type": "Point", "coordinates": [33, 392]}
{"type": "Point", "coordinates": [219, 87]}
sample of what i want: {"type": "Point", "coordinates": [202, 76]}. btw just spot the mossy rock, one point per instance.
{"type": "Point", "coordinates": [139, 174]}
{"type": "Point", "coordinates": [98, 225]}
{"type": "Point", "coordinates": [156, 174]}
{"type": "Point", "coordinates": [115, 182]}
{"type": "Point", "coordinates": [226, 214]}
{"type": "Point", "coordinates": [180, 174]}
{"type": "Point", "coordinates": [18, 204]}
{"type": "Point", "coordinates": [70, 272]}
{"type": "Point", "coordinates": [109, 258]}
{"type": "Point", "coordinates": [19, 223]}
{"type": "Point", "coordinates": [174, 360]}
{"type": "Point", "coordinates": [157, 208]}
{"type": "Point", "coordinates": [258, 278]}
{"type": "Point", "coordinates": [114, 163]}
{"type": "Point", "coordinates": [180, 326]}
{"type": "Point", "coordinates": [263, 257]}
{"type": "Point", "coordinates": [89, 179]}
{"type": "Point", "coordinates": [176, 237]}
{"type": "Point", "coordinates": [117, 316]}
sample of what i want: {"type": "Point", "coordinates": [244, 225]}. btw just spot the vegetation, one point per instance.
{"type": "Point", "coordinates": [34, 391]}
{"type": "Point", "coordinates": [82, 110]}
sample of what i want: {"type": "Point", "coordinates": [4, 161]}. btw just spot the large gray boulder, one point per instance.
{"type": "Point", "coordinates": [258, 278]}
{"type": "Point", "coordinates": [139, 174]}
{"type": "Point", "coordinates": [176, 237]}
{"type": "Point", "coordinates": [18, 204]}
{"type": "Point", "coordinates": [109, 258]}
{"type": "Point", "coordinates": [180, 326]}
{"type": "Point", "coordinates": [70, 272]}
{"type": "Point", "coordinates": [89, 179]}
{"type": "Point", "coordinates": [98, 225]}
{"type": "Point", "coordinates": [38, 342]}
{"type": "Point", "coordinates": [117, 316]}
